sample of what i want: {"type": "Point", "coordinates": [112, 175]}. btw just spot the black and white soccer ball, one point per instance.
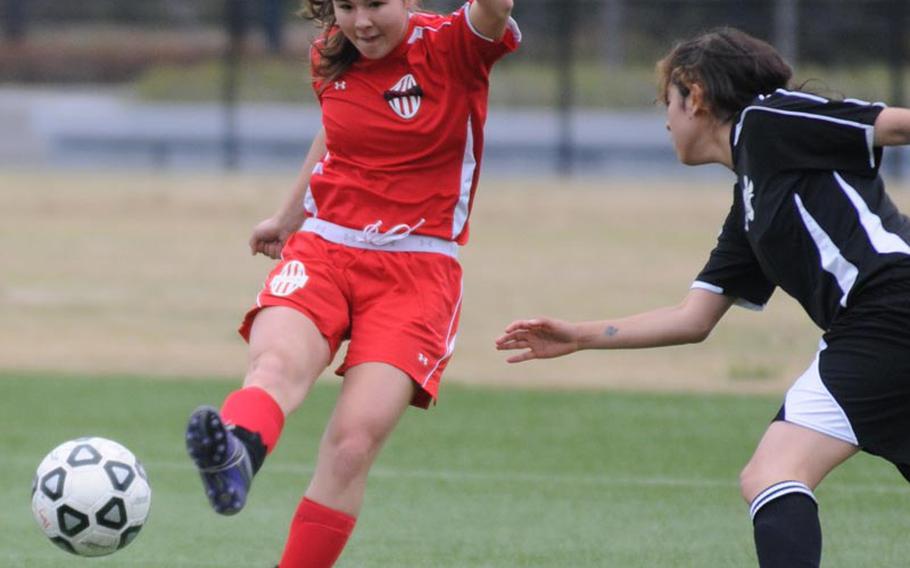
{"type": "Point", "coordinates": [91, 496]}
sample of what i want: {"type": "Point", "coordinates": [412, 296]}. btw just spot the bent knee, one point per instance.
{"type": "Point", "coordinates": [270, 367]}
{"type": "Point", "coordinates": [352, 454]}
{"type": "Point", "coordinates": [757, 476]}
{"type": "Point", "coordinates": [749, 482]}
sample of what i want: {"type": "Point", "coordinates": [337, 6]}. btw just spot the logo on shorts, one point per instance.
{"type": "Point", "coordinates": [291, 278]}
{"type": "Point", "coordinates": [405, 97]}
{"type": "Point", "coordinates": [423, 359]}
{"type": "Point", "coordinates": [748, 195]}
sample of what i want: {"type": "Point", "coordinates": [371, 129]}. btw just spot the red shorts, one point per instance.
{"type": "Point", "coordinates": [399, 308]}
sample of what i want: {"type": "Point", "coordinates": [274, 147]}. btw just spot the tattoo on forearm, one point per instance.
{"type": "Point", "coordinates": [611, 331]}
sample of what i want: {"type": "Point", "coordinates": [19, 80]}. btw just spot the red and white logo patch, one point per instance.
{"type": "Point", "coordinates": [405, 97]}
{"type": "Point", "coordinates": [291, 278]}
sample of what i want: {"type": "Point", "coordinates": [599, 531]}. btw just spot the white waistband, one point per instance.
{"type": "Point", "coordinates": [354, 238]}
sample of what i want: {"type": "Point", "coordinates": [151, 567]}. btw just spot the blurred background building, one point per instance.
{"type": "Point", "coordinates": [177, 84]}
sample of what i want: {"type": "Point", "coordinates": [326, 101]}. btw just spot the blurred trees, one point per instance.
{"type": "Point", "coordinates": [14, 20]}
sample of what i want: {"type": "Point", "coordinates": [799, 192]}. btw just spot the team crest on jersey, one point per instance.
{"type": "Point", "coordinates": [405, 97]}
{"type": "Point", "coordinates": [291, 278]}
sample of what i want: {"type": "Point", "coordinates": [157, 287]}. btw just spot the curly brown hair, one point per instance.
{"type": "Point", "coordinates": [731, 66]}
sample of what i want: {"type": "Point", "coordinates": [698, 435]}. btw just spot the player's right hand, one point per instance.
{"type": "Point", "coordinates": [541, 338]}
{"type": "Point", "coordinates": [268, 238]}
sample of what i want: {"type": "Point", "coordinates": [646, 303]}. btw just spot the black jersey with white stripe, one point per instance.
{"type": "Point", "coordinates": [810, 213]}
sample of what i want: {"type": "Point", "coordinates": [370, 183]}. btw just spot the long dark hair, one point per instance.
{"type": "Point", "coordinates": [731, 66]}
{"type": "Point", "coordinates": [336, 52]}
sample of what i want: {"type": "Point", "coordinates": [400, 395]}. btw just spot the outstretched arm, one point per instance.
{"type": "Point", "coordinates": [489, 17]}
{"type": "Point", "coordinates": [269, 236]}
{"type": "Point", "coordinates": [892, 127]}
{"type": "Point", "coordinates": [689, 322]}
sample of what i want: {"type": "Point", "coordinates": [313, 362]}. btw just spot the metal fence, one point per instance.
{"type": "Point", "coordinates": [591, 37]}
{"type": "Point", "coordinates": [585, 66]}
{"type": "Point", "coordinates": [821, 31]}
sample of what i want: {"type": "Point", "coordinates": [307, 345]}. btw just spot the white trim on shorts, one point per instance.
{"type": "Point", "coordinates": [354, 238]}
{"type": "Point", "coordinates": [809, 403]}
{"type": "Point", "coordinates": [449, 340]}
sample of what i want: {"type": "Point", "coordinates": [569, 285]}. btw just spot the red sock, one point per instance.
{"type": "Point", "coordinates": [255, 410]}
{"type": "Point", "coordinates": [317, 536]}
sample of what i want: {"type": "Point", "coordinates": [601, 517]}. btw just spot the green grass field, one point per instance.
{"type": "Point", "coordinates": [142, 279]}
{"type": "Point", "coordinates": [489, 478]}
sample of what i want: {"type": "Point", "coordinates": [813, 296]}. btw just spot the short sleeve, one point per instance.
{"type": "Point", "coordinates": [789, 131]}
{"type": "Point", "coordinates": [470, 50]}
{"type": "Point", "coordinates": [732, 268]}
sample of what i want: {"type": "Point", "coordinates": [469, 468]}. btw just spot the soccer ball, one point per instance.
{"type": "Point", "coordinates": [91, 496]}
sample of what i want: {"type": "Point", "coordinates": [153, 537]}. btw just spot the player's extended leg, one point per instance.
{"type": "Point", "coordinates": [373, 398]}
{"type": "Point", "coordinates": [778, 483]}
{"type": "Point", "coordinates": [287, 353]}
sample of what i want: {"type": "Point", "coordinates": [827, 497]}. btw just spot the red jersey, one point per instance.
{"type": "Point", "coordinates": [404, 134]}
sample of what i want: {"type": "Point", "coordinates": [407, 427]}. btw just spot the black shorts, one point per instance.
{"type": "Point", "coordinates": [858, 387]}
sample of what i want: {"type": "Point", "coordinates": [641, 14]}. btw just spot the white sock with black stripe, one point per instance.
{"type": "Point", "coordinates": [786, 527]}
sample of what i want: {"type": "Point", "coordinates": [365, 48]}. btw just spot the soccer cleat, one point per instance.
{"type": "Point", "coordinates": [222, 460]}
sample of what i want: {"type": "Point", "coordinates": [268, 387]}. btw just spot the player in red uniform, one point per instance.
{"type": "Point", "coordinates": [368, 241]}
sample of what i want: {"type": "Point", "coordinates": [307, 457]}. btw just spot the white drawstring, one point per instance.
{"type": "Point", "coordinates": [363, 238]}
{"type": "Point", "coordinates": [372, 235]}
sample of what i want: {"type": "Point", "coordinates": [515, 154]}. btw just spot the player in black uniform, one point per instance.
{"type": "Point", "coordinates": [810, 215]}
